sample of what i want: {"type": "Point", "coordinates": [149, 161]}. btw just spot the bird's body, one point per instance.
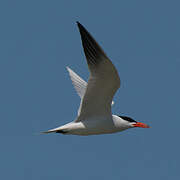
{"type": "Point", "coordinates": [92, 126]}
{"type": "Point", "coordinates": [94, 114]}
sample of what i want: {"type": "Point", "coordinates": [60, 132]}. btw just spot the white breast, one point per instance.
{"type": "Point", "coordinates": [96, 126]}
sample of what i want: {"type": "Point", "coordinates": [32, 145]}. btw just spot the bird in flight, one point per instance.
{"type": "Point", "coordinates": [94, 114]}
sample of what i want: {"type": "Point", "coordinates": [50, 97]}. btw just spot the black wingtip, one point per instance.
{"type": "Point", "coordinates": [80, 26]}
{"type": "Point", "coordinates": [92, 50]}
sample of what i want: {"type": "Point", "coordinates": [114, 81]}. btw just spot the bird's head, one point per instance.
{"type": "Point", "coordinates": [133, 123]}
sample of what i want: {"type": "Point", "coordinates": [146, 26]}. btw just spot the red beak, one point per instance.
{"type": "Point", "coordinates": [142, 125]}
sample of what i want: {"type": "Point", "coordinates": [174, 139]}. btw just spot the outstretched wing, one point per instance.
{"type": "Point", "coordinates": [103, 81]}
{"type": "Point", "coordinates": [78, 83]}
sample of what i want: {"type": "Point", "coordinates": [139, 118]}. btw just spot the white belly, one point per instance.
{"type": "Point", "coordinates": [92, 127]}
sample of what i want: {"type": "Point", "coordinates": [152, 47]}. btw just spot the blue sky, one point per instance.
{"type": "Point", "coordinates": [38, 39]}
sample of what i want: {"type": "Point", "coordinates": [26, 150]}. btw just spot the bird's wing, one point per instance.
{"type": "Point", "coordinates": [78, 83]}
{"type": "Point", "coordinates": [103, 81]}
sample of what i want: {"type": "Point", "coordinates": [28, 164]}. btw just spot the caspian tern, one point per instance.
{"type": "Point", "coordinates": [94, 114]}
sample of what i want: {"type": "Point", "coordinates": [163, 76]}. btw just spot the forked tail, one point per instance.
{"type": "Point", "coordinates": [54, 131]}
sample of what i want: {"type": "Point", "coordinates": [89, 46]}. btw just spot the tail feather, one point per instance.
{"type": "Point", "coordinates": [47, 132]}
{"type": "Point", "coordinates": [51, 130]}
{"type": "Point", "coordinates": [54, 131]}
